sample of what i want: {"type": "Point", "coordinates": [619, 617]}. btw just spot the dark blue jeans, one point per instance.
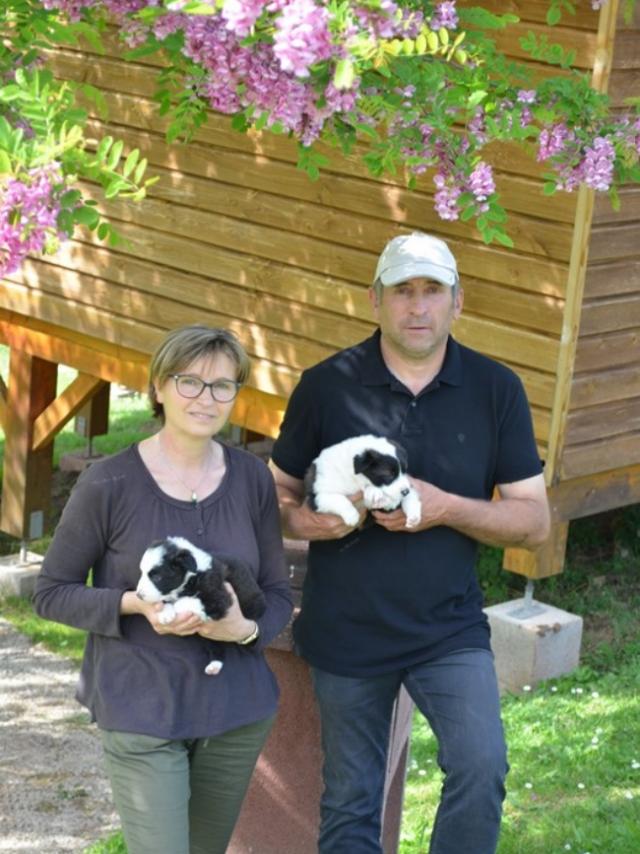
{"type": "Point", "coordinates": [458, 695]}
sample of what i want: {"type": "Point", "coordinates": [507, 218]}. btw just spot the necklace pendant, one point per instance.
{"type": "Point", "coordinates": [194, 497]}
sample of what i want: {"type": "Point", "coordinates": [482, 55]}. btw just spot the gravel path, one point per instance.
{"type": "Point", "coordinates": [54, 796]}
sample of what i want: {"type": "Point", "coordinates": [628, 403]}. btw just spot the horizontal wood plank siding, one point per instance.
{"type": "Point", "coordinates": [234, 234]}
{"type": "Point", "coordinates": [603, 430]}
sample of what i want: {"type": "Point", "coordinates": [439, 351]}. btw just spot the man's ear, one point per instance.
{"type": "Point", "coordinates": [458, 303]}
{"type": "Point", "coordinates": [375, 302]}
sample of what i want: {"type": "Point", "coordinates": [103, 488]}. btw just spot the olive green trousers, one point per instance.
{"type": "Point", "coordinates": [181, 796]}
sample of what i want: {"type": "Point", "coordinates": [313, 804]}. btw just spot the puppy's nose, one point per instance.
{"type": "Point", "coordinates": [405, 492]}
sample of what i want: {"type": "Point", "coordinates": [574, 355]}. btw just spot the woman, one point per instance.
{"type": "Point", "coordinates": [180, 746]}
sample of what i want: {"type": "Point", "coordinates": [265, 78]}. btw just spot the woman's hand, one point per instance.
{"type": "Point", "coordinates": [182, 624]}
{"type": "Point", "coordinates": [232, 628]}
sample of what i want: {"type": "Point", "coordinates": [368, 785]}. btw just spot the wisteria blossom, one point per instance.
{"type": "Point", "coordinates": [445, 16]}
{"type": "Point", "coordinates": [29, 208]}
{"type": "Point", "coordinates": [408, 79]}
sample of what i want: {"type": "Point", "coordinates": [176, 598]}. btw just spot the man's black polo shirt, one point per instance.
{"type": "Point", "coordinates": [379, 600]}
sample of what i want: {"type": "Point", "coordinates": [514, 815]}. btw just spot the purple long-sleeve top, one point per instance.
{"type": "Point", "coordinates": [133, 679]}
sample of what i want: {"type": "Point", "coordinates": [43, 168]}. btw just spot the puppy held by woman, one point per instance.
{"type": "Point", "coordinates": [179, 746]}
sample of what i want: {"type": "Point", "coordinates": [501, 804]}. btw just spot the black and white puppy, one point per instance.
{"type": "Point", "coordinates": [369, 464]}
{"type": "Point", "coordinates": [186, 578]}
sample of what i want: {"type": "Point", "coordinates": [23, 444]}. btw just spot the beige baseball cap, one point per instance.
{"type": "Point", "coordinates": [416, 255]}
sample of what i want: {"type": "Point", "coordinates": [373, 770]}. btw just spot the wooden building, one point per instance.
{"type": "Point", "coordinates": [235, 235]}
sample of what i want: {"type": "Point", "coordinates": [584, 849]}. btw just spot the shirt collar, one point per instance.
{"type": "Point", "coordinates": [375, 372]}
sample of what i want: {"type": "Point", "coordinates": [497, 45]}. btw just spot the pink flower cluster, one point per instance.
{"type": "Point", "coordinates": [445, 15]}
{"type": "Point", "coordinates": [302, 36]}
{"type": "Point", "coordinates": [29, 209]}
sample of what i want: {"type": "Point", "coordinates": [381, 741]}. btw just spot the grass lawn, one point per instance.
{"type": "Point", "coordinates": [574, 742]}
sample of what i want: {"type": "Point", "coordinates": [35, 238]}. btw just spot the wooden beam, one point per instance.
{"type": "Point", "coordinates": [110, 362]}
{"type": "Point", "coordinates": [260, 412]}
{"type": "Point", "coordinates": [3, 404]}
{"type": "Point", "coordinates": [93, 419]}
{"type": "Point", "coordinates": [584, 496]}
{"type": "Point", "coordinates": [49, 423]}
{"type": "Point", "coordinates": [543, 562]}
{"type": "Point", "coordinates": [26, 484]}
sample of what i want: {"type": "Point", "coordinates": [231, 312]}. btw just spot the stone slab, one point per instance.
{"type": "Point", "coordinates": [78, 461]}
{"type": "Point", "coordinates": [530, 649]}
{"type": "Point", "coordinates": [17, 576]}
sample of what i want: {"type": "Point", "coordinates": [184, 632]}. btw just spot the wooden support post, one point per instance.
{"type": "Point", "coordinates": [3, 404]}
{"type": "Point", "coordinates": [93, 418]}
{"type": "Point", "coordinates": [26, 484]}
{"type": "Point", "coordinates": [543, 562]}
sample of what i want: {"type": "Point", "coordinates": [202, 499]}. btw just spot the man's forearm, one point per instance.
{"type": "Point", "coordinates": [504, 522]}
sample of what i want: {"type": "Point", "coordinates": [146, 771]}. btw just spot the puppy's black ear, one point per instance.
{"type": "Point", "coordinates": [403, 457]}
{"type": "Point", "coordinates": [184, 560]}
{"type": "Point", "coordinates": [361, 462]}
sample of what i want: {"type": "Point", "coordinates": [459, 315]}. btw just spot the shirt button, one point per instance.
{"type": "Point", "coordinates": [200, 531]}
{"type": "Point", "coordinates": [414, 403]}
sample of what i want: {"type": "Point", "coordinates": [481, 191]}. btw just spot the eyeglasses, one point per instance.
{"type": "Point", "coordinates": [223, 391]}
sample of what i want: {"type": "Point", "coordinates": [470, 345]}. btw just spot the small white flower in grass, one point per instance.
{"type": "Point", "coordinates": [581, 785]}
{"type": "Point", "coordinates": [421, 772]}
{"type": "Point", "coordinates": [595, 740]}
{"type": "Point", "coordinates": [579, 691]}
{"type": "Point", "coordinates": [595, 694]}
{"type": "Point", "coordinates": [567, 847]}
{"type": "Point", "coordinates": [554, 688]}
{"type": "Point", "coordinates": [526, 687]}
{"type": "Point", "coordinates": [599, 731]}
{"type": "Point", "coordinates": [628, 796]}
{"type": "Point", "coordinates": [635, 764]}
{"type": "Point", "coordinates": [528, 785]}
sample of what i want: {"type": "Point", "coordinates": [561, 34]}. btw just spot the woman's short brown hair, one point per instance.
{"type": "Point", "coordinates": [180, 347]}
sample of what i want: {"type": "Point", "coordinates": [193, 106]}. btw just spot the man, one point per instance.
{"type": "Point", "coordinates": [385, 606]}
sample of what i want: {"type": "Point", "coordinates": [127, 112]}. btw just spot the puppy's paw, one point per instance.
{"type": "Point", "coordinates": [374, 498]}
{"type": "Point", "coordinates": [350, 516]}
{"type": "Point", "coordinates": [412, 509]}
{"type": "Point", "coordinates": [167, 615]}
{"type": "Point", "coordinates": [214, 667]}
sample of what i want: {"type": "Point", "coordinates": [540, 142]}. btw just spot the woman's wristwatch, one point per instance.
{"type": "Point", "coordinates": [255, 634]}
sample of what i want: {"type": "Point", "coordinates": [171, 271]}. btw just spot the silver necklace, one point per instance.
{"type": "Point", "coordinates": [192, 489]}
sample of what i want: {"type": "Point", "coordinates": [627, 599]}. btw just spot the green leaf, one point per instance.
{"type": "Point", "coordinates": [476, 98]}
{"type": "Point", "coordinates": [70, 198]}
{"type": "Point", "coordinates": [114, 187]}
{"type": "Point", "coordinates": [103, 231]}
{"type": "Point", "coordinates": [5, 163]}
{"type": "Point", "coordinates": [86, 216]}
{"type": "Point", "coordinates": [103, 148]}
{"type": "Point", "coordinates": [130, 162]}
{"type": "Point", "coordinates": [549, 188]}
{"type": "Point", "coordinates": [503, 237]}
{"type": "Point", "coordinates": [114, 155]}
{"type": "Point", "coordinates": [140, 170]}
{"type": "Point", "coordinates": [553, 16]}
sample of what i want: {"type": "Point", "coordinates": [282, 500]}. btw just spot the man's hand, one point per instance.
{"type": "Point", "coordinates": [431, 501]}
{"type": "Point", "coordinates": [305, 523]}
{"type": "Point", "coordinates": [520, 517]}
{"type": "Point", "coordinates": [299, 521]}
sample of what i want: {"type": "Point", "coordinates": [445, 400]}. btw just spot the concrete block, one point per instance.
{"type": "Point", "coordinates": [18, 574]}
{"type": "Point", "coordinates": [532, 641]}
{"type": "Point", "coordinates": [78, 461]}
